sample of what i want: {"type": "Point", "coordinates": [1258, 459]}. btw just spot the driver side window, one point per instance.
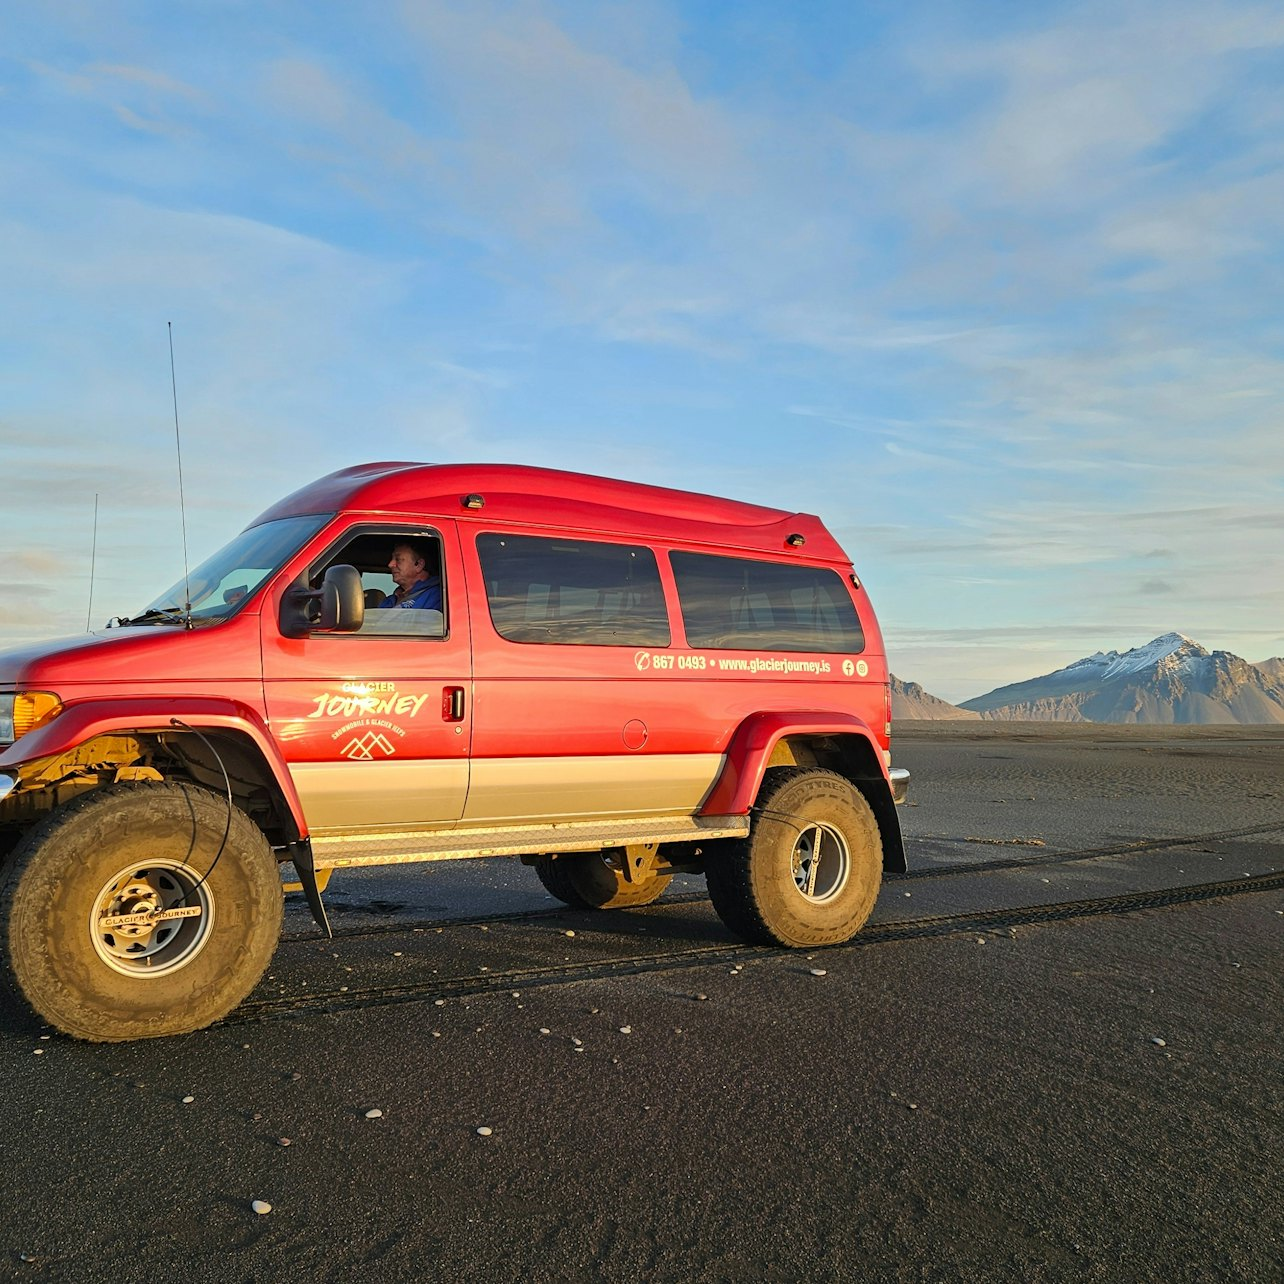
{"type": "Point", "coordinates": [402, 576]}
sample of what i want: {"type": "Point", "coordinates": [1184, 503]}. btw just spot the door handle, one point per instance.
{"type": "Point", "coordinates": [452, 704]}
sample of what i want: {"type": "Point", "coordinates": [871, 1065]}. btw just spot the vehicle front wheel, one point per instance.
{"type": "Point", "coordinates": [118, 922]}
{"type": "Point", "coordinates": [810, 870]}
{"type": "Point", "coordinates": [594, 881]}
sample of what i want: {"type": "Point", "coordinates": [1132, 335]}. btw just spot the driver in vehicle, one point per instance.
{"type": "Point", "coordinates": [416, 587]}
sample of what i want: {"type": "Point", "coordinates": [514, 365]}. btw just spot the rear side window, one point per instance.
{"type": "Point", "coordinates": [742, 605]}
{"type": "Point", "coordinates": [573, 591]}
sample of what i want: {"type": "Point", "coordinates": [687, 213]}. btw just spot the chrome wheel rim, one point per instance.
{"type": "Point", "coordinates": [821, 863]}
{"type": "Point", "coordinates": [142, 923]}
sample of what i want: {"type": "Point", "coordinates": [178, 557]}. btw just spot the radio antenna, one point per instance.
{"type": "Point", "coordinates": [93, 559]}
{"type": "Point", "coordinates": [182, 507]}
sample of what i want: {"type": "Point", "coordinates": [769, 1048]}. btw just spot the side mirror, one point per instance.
{"type": "Point", "coordinates": [343, 601]}
{"type": "Point", "coordinates": [338, 606]}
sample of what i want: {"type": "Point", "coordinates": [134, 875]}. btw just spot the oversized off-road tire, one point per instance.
{"type": "Point", "coordinates": [591, 881]}
{"type": "Point", "coordinates": [810, 870]}
{"type": "Point", "coordinates": [130, 851]}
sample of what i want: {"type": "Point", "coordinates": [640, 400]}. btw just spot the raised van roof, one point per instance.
{"type": "Point", "coordinates": [554, 500]}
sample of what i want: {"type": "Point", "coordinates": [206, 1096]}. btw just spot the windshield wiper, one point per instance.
{"type": "Point", "coordinates": [170, 614]}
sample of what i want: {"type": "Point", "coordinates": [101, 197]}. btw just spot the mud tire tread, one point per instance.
{"type": "Point", "coordinates": [587, 883]}
{"type": "Point", "coordinates": [749, 881]}
{"type": "Point", "coordinates": [79, 837]}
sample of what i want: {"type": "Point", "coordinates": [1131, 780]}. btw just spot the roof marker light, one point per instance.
{"type": "Point", "coordinates": [796, 540]}
{"type": "Point", "coordinates": [473, 501]}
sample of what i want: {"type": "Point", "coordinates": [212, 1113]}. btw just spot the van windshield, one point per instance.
{"type": "Point", "coordinates": [222, 583]}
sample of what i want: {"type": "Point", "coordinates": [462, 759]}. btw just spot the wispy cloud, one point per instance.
{"type": "Point", "coordinates": [999, 298]}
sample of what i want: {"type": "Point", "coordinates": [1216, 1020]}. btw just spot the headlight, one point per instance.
{"type": "Point", "coordinates": [25, 711]}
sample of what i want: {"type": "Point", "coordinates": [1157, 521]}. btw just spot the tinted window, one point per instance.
{"type": "Point", "coordinates": [572, 591]}
{"type": "Point", "coordinates": [742, 605]}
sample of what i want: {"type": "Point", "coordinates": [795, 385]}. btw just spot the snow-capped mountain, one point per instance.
{"type": "Point", "coordinates": [910, 701]}
{"type": "Point", "coordinates": [1169, 680]}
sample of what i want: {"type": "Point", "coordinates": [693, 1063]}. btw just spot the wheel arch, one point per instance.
{"type": "Point", "coordinates": [181, 739]}
{"type": "Point", "coordinates": [841, 743]}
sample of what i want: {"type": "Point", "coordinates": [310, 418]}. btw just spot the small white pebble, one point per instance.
{"type": "Point", "coordinates": [569, 933]}
{"type": "Point", "coordinates": [483, 1131]}
{"type": "Point", "coordinates": [43, 1037]}
{"type": "Point", "coordinates": [545, 1030]}
{"type": "Point", "coordinates": [261, 1206]}
{"type": "Point", "coordinates": [283, 1141]}
{"type": "Point", "coordinates": [819, 971]}
{"type": "Point", "coordinates": [980, 940]}
{"type": "Point", "coordinates": [577, 1049]}
{"type": "Point", "coordinates": [38, 1052]}
{"type": "Point", "coordinates": [376, 1113]}
{"type": "Point", "coordinates": [517, 994]}
{"type": "Point", "coordinates": [907, 895]}
{"type": "Point", "coordinates": [626, 1029]}
{"type": "Point", "coordinates": [701, 998]}
{"type": "Point", "coordinates": [343, 989]}
{"type": "Point", "coordinates": [396, 954]}
{"type": "Point", "coordinates": [187, 1101]}
{"type": "Point", "coordinates": [441, 1003]}
{"type": "Point", "coordinates": [436, 1034]}
{"type": "Point", "coordinates": [577, 1042]}
{"type": "Point", "coordinates": [1159, 1043]}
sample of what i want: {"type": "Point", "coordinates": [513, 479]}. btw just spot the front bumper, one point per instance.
{"type": "Point", "coordinates": [899, 780]}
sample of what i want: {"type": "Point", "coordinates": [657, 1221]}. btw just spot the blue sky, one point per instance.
{"type": "Point", "coordinates": [993, 288]}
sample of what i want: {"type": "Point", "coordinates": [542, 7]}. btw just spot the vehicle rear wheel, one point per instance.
{"type": "Point", "coordinates": [594, 881]}
{"type": "Point", "coordinates": [114, 926]}
{"type": "Point", "coordinates": [810, 870]}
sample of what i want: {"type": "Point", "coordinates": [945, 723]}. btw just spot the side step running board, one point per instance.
{"type": "Point", "coordinates": [344, 851]}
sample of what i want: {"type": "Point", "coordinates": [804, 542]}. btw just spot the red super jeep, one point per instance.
{"type": "Point", "coordinates": [612, 681]}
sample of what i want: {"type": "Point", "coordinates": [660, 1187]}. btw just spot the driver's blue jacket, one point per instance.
{"type": "Point", "coordinates": [425, 594]}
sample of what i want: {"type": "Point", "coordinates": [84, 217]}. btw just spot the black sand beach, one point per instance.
{"type": "Point", "coordinates": [975, 1089]}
